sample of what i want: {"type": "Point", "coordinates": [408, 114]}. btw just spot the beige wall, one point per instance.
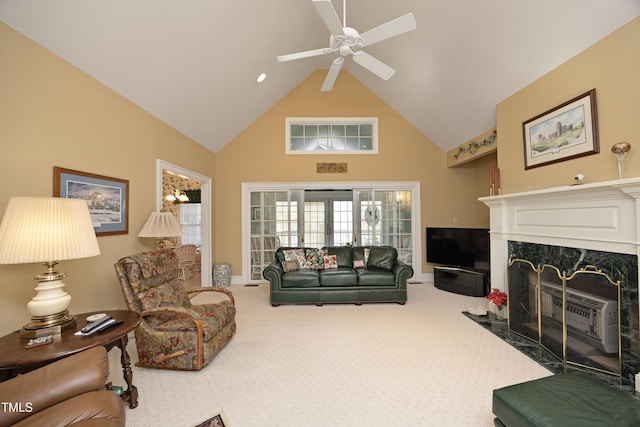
{"type": "Point", "coordinates": [612, 67]}
{"type": "Point", "coordinates": [405, 154]}
{"type": "Point", "coordinates": [52, 114]}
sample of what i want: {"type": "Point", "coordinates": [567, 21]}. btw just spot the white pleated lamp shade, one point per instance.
{"type": "Point", "coordinates": [161, 224]}
{"type": "Point", "coordinates": [45, 229]}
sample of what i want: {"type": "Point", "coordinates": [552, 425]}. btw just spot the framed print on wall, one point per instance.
{"type": "Point", "coordinates": [107, 198]}
{"type": "Point", "coordinates": [565, 132]}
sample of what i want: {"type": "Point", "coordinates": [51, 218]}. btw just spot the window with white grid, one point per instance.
{"type": "Point", "coordinates": [321, 135]}
{"type": "Point", "coordinates": [191, 223]}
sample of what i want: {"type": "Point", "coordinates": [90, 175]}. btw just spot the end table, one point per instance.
{"type": "Point", "coordinates": [16, 359]}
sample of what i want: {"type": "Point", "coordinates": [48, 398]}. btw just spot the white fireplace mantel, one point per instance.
{"type": "Point", "coordinates": [603, 216]}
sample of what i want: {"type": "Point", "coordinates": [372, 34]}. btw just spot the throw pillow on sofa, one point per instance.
{"type": "Point", "coordinates": [382, 257]}
{"type": "Point", "coordinates": [290, 265]}
{"type": "Point", "coordinates": [358, 263]}
{"type": "Point", "coordinates": [342, 253]}
{"type": "Point", "coordinates": [330, 262]}
{"type": "Point", "coordinates": [295, 255]}
{"type": "Point", "coordinates": [315, 259]}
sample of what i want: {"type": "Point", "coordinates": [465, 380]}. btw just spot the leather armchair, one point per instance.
{"type": "Point", "coordinates": [173, 332]}
{"type": "Point", "coordinates": [70, 391]}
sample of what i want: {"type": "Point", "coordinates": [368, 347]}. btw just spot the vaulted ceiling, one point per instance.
{"type": "Point", "coordinates": [194, 63]}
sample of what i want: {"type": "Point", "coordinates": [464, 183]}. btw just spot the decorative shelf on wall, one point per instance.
{"type": "Point", "coordinates": [478, 147]}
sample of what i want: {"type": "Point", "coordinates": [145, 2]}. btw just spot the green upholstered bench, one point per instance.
{"type": "Point", "coordinates": [572, 399]}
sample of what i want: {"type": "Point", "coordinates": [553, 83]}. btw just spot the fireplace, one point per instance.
{"type": "Point", "coordinates": [568, 258]}
{"type": "Point", "coordinates": [581, 305]}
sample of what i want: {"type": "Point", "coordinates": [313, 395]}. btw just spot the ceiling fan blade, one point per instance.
{"type": "Point", "coordinates": [329, 16]}
{"type": "Point", "coordinates": [305, 54]}
{"type": "Point", "coordinates": [332, 75]}
{"type": "Point", "coordinates": [390, 29]}
{"type": "Point", "coordinates": [378, 68]}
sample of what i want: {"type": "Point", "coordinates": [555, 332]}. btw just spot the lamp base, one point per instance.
{"type": "Point", "coordinates": [34, 328]}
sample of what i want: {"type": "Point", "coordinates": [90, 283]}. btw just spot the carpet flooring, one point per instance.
{"type": "Point", "coordinates": [421, 364]}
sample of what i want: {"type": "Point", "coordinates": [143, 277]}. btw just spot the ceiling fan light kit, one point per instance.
{"type": "Point", "coordinates": [345, 41]}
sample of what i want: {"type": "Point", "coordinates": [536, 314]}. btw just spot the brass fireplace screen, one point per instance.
{"type": "Point", "coordinates": [576, 317]}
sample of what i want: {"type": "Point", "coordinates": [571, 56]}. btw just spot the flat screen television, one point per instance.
{"type": "Point", "coordinates": [459, 247]}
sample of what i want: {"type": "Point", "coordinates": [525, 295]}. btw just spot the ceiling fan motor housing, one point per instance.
{"type": "Point", "coordinates": [348, 44]}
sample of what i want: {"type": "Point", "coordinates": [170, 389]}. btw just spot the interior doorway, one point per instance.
{"type": "Point", "coordinates": [205, 208]}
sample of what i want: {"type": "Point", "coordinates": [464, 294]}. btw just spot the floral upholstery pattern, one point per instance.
{"type": "Point", "coordinates": [173, 333]}
{"type": "Point", "coordinates": [315, 259]}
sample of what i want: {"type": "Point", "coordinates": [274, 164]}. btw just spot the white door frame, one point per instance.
{"type": "Point", "coordinates": [206, 209]}
{"type": "Point", "coordinates": [416, 204]}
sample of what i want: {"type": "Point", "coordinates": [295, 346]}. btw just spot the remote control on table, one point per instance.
{"type": "Point", "coordinates": [94, 325]}
{"type": "Point", "coordinates": [106, 325]}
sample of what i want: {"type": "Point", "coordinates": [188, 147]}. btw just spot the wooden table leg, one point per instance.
{"type": "Point", "coordinates": [131, 394]}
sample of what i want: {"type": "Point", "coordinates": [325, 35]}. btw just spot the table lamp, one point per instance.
{"type": "Point", "coordinates": [160, 225]}
{"type": "Point", "coordinates": [47, 230]}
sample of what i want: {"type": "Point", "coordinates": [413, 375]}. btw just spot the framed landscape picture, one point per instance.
{"type": "Point", "coordinates": [106, 197]}
{"type": "Point", "coordinates": [565, 132]}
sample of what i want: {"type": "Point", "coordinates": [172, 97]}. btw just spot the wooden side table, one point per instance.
{"type": "Point", "coordinates": [15, 359]}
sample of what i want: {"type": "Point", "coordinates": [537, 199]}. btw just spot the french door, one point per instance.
{"type": "Point", "coordinates": [372, 214]}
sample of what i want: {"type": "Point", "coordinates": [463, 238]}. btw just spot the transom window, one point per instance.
{"type": "Point", "coordinates": [321, 135]}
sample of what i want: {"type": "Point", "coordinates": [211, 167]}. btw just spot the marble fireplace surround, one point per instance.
{"type": "Point", "coordinates": [602, 217]}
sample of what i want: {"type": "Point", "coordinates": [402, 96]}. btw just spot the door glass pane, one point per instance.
{"type": "Point", "coordinates": [264, 226]}
{"type": "Point", "coordinates": [342, 222]}
{"type": "Point", "coordinates": [384, 219]}
{"type": "Point", "coordinates": [314, 222]}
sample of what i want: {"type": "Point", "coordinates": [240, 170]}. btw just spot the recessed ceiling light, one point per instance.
{"type": "Point", "coordinates": [261, 77]}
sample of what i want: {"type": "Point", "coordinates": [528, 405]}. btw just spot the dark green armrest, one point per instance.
{"type": "Point", "coordinates": [402, 273]}
{"type": "Point", "coordinates": [273, 273]}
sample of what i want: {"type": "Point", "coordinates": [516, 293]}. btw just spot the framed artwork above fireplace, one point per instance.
{"type": "Point", "coordinates": [565, 132]}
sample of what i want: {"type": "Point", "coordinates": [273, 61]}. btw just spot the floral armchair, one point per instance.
{"type": "Point", "coordinates": [173, 333]}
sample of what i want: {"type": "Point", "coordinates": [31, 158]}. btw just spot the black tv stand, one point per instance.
{"type": "Point", "coordinates": [462, 280]}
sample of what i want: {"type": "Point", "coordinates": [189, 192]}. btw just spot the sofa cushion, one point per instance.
{"type": "Point", "coordinates": [342, 253]}
{"type": "Point", "coordinates": [375, 277]}
{"type": "Point", "coordinates": [382, 257]}
{"type": "Point", "coordinates": [360, 253]}
{"type": "Point", "coordinates": [301, 279]}
{"type": "Point", "coordinates": [342, 276]}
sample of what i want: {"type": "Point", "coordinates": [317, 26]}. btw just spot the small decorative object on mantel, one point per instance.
{"type": "Point", "coordinates": [620, 149]}
{"type": "Point", "coordinates": [494, 180]}
{"type": "Point", "coordinates": [498, 303]}
{"type": "Point", "coordinates": [579, 178]}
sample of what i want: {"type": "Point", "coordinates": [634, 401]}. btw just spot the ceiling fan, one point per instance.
{"type": "Point", "coordinates": [345, 41]}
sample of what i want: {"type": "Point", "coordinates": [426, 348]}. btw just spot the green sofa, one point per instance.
{"type": "Point", "coordinates": [337, 274]}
